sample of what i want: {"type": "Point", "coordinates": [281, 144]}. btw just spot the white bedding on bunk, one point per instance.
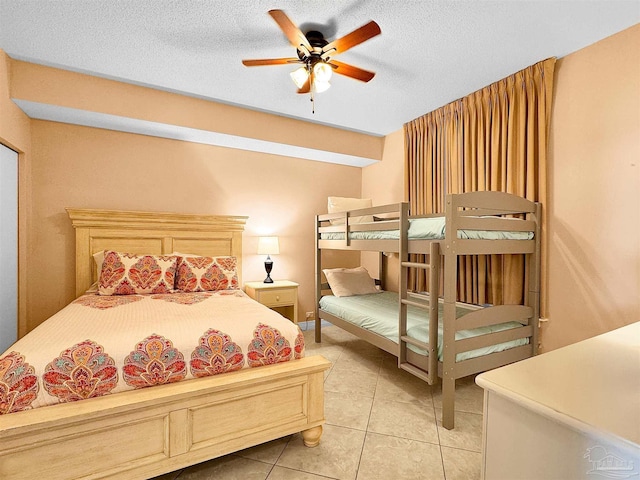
{"type": "Point", "coordinates": [378, 313]}
{"type": "Point", "coordinates": [431, 228]}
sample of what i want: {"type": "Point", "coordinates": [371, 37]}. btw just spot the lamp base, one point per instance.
{"type": "Point", "coordinates": [268, 265]}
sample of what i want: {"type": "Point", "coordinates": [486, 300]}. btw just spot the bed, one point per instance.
{"type": "Point", "coordinates": [143, 432]}
{"type": "Point", "coordinates": [435, 336]}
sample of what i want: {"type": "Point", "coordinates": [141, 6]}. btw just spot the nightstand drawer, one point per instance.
{"type": "Point", "coordinates": [277, 297]}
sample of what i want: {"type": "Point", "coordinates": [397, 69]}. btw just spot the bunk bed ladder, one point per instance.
{"type": "Point", "coordinates": [430, 376]}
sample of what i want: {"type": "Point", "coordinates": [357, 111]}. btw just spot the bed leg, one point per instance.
{"type": "Point", "coordinates": [311, 437]}
{"type": "Point", "coordinates": [448, 397]}
{"type": "Point", "coordinates": [318, 327]}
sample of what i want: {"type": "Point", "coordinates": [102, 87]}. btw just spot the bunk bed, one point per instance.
{"type": "Point", "coordinates": [447, 339]}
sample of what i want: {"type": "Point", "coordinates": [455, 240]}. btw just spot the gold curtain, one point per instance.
{"type": "Point", "coordinates": [493, 139]}
{"type": "Point", "coordinates": [424, 141]}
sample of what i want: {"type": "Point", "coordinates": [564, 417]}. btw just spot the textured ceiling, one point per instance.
{"type": "Point", "coordinates": [429, 52]}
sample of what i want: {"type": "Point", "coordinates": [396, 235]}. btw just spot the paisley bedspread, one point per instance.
{"type": "Point", "coordinates": [99, 345]}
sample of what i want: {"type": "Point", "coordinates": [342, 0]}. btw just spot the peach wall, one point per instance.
{"type": "Point", "coordinates": [594, 185]}
{"type": "Point", "coordinates": [93, 168]}
{"type": "Point", "coordinates": [84, 167]}
{"type": "Point", "coordinates": [383, 182]}
{"type": "Point", "coordinates": [15, 132]}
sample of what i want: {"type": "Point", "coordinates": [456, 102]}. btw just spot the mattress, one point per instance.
{"type": "Point", "coordinates": [378, 313]}
{"type": "Point", "coordinates": [431, 228]}
{"type": "Point", "coordinates": [99, 345]}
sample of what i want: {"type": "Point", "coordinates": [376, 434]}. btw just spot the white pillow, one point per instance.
{"type": "Point", "coordinates": [98, 257]}
{"type": "Point", "coordinates": [343, 204]}
{"type": "Point", "coordinates": [345, 282]}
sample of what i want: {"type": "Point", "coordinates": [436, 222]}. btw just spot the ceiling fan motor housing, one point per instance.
{"type": "Point", "coordinates": [317, 41]}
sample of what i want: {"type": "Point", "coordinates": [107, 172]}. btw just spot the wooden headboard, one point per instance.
{"type": "Point", "coordinates": [154, 233]}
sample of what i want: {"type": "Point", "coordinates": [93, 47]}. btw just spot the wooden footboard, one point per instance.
{"type": "Point", "coordinates": [148, 432]}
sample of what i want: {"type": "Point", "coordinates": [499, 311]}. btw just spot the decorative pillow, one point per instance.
{"type": "Point", "coordinates": [129, 274]}
{"type": "Point", "coordinates": [345, 282]}
{"type": "Point", "coordinates": [343, 204]}
{"type": "Point", "coordinates": [203, 274]}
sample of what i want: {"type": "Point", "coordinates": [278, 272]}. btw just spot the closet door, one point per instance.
{"type": "Point", "coordinates": [8, 247]}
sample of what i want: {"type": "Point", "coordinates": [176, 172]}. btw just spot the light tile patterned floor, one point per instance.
{"type": "Point", "coordinates": [381, 423]}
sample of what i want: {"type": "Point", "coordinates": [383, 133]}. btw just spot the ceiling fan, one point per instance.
{"type": "Point", "coordinates": [315, 54]}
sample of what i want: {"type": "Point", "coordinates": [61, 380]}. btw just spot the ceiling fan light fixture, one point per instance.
{"type": "Point", "coordinates": [299, 76]}
{"type": "Point", "coordinates": [322, 72]}
{"type": "Point", "coordinates": [320, 86]}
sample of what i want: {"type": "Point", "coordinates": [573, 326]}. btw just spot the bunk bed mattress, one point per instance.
{"type": "Point", "coordinates": [431, 228]}
{"type": "Point", "coordinates": [378, 313]}
{"type": "Point", "coordinates": [99, 345]}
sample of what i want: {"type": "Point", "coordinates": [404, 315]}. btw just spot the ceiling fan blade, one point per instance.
{"type": "Point", "coordinates": [306, 88]}
{"type": "Point", "coordinates": [351, 71]}
{"type": "Point", "coordinates": [293, 33]}
{"type": "Point", "coordinates": [352, 39]}
{"type": "Point", "coordinates": [269, 61]}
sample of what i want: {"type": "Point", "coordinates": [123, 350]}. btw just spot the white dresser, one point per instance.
{"type": "Point", "coordinates": [573, 413]}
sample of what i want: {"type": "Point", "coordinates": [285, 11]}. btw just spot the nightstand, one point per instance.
{"type": "Point", "coordinates": [281, 296]}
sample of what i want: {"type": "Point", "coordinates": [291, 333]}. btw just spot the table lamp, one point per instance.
{"type": "Point", "coordinates": [268, 246]}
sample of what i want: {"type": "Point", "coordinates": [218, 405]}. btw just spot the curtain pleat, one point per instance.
{"type": "Point", "coordinates": [493, 139]}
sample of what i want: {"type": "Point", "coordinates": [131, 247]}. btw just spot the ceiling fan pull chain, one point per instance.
{"type": "Point", "coordinates": [312, 81]}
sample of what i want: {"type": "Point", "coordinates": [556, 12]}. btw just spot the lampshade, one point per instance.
{"type": "Point", "coordinates": [322, 72]}
{"type": "Point", "coordinates": [299, 76]}
{"type": "Point", "coordinates": [320, 87]}
{"type": "Point", "coordinates": [268, 246]}
{"type": "Point", "coordinates": [321, 75]}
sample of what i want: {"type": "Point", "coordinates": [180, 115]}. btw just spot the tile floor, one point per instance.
{"type": "Point", "coordinates": [381, 423]}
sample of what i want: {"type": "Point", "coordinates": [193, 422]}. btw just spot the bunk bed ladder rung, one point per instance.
{"type": "Point", "coordinates": [424, 266]}
{"type": "Point", "coordinates": [414, 342]}
{"type": "Point", "coordinates": [421, 374]}
{"type": "Point", "coordinates": [426, 306]}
